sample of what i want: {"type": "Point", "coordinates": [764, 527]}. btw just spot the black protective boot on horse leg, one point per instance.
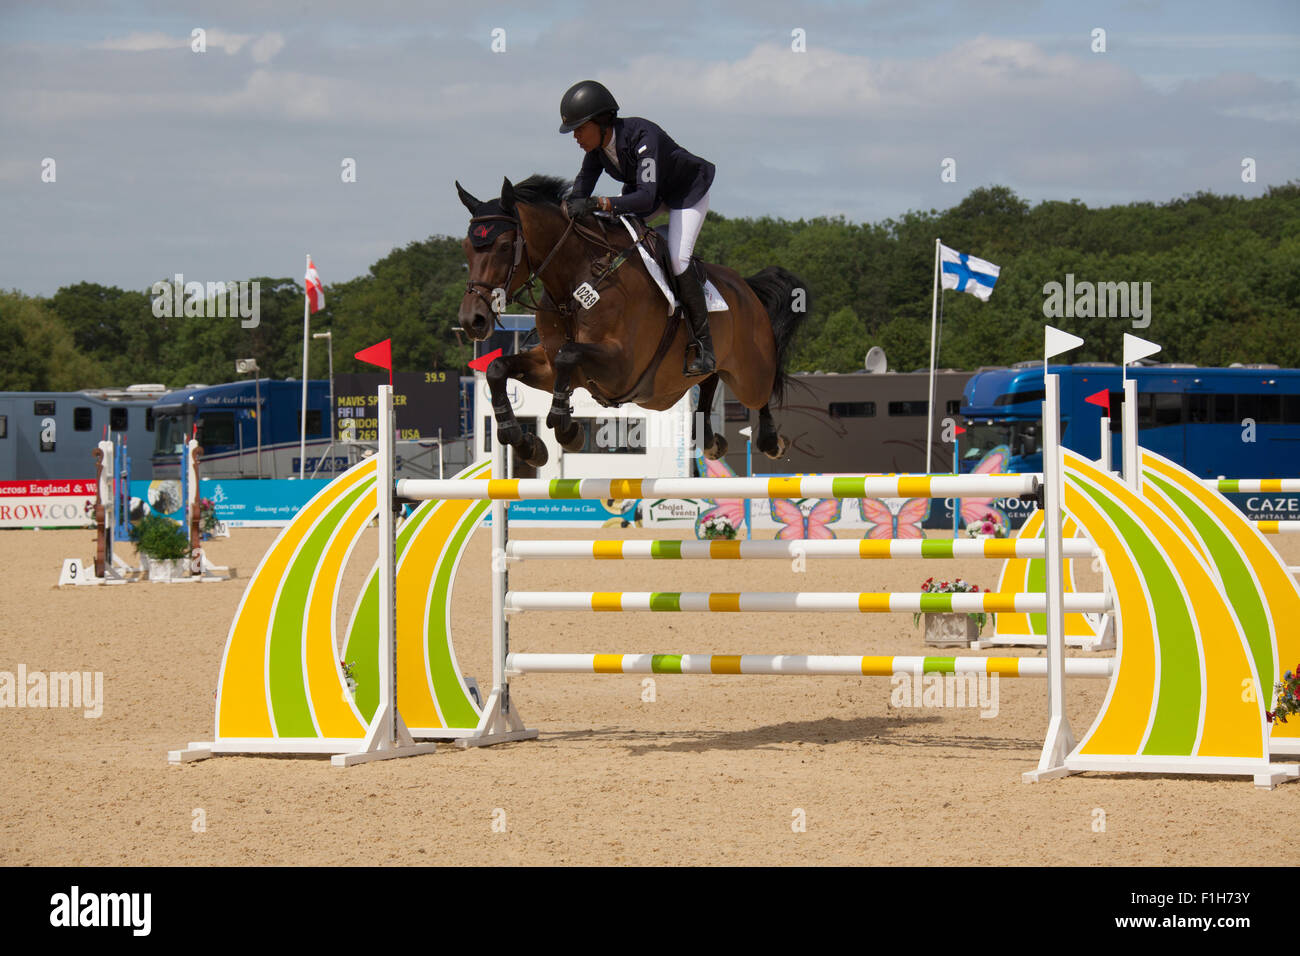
{"type": "Point", "coordinates": [691, 292]}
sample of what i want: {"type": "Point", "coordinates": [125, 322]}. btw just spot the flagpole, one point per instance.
{"type": "Point", "coordinates": [934, 320]}
{"type": "Point", "coordinates": [306, 321]}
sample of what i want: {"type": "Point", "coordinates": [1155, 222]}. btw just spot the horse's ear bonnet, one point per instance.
{"type": "Point", "coordinates": [483, 234]}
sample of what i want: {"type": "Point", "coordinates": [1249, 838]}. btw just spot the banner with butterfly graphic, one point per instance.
{"type": "Point", "coordinates": [827, 518]}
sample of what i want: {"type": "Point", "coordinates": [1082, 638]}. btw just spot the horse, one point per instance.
{"type": "Point", "coordinates": [615, 338]}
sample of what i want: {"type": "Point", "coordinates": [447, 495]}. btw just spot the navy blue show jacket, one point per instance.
{"type": "Point", "coordinates": [680, 178]}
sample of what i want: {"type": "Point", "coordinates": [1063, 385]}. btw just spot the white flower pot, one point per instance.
{"type": "Point", "coordinates": [174, 569]}
{"type": "Point", "coordinates": [950, 630]}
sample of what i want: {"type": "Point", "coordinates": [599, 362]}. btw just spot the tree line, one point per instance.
{"type": "Point", "coordinates": [1224, 274]}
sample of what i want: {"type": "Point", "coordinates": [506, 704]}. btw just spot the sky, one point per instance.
{"type": "Point", "coordinates": [229, 163]}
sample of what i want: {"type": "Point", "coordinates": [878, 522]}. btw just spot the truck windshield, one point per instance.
{"type": "Point", "coordinates": [171, 433]}
{"type": "Point", "coordinates": [982, 437]}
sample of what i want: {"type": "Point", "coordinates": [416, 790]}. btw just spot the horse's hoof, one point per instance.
{"type": "Point", "coordinates": [533, 451]}
{"type": "Point", "coordinates": [571, 439]}
{"type": "Point", "coordinates": [716, 449]}
{"type": "Point", "coordinates": [782, 444]}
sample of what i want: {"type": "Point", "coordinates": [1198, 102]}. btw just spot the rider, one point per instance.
{"type": "Point", "coordinates": [655, 172]}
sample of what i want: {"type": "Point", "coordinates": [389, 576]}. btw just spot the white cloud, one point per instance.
{"type": "Point", "coordinates": [143, 43]}
{"type": "Point", "coordinates": [266, 46]}
{"type": "Point", "coordinates": [263, 48]}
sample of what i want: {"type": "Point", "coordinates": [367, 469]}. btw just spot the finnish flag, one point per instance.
{"type": "Point", "coordinates": [966, 273]}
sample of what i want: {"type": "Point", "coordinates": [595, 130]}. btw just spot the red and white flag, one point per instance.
{"type": "Point", "coordinates": [315, 291]}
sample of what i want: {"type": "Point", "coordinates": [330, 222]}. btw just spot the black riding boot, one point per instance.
{"type": "Point", "coordinates": [692, 295]}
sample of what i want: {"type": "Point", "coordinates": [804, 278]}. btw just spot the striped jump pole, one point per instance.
{"type": "Point", "coordinates": [814, 665]}
{"type": "Point", "coordinates": [810, 486]}
{"type": "Point", "coordinates": [885, 602]}
{"type": "Point", "coordinates": [996, 548]}
{"type": "Point", "coordinates": [1257, 486]}
{"type": "Point", "coordinates": [1278, 527]}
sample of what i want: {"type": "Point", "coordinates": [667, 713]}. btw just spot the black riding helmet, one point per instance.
{"type": "Point", "coordinates": [584, 101]}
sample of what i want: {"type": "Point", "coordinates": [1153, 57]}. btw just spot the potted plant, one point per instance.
{"type": "Point", "coordinates": [946, 629]}
{"type": "Point", "coordinates": [718, 527]}
{"type": "Point", "coordinates": [163, 546]}
{"type": "Point", "coordinates": [987, 527]}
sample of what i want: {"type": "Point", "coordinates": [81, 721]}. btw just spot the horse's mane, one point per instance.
{"type": "Point", "coordinates": [538, 188]}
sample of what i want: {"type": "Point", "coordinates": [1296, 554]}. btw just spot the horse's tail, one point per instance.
{"type": "Point", "coordinates": [776, 288]}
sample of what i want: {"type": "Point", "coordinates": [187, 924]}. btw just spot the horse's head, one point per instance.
{"type": "Point", "coordinates": [499, 262]}
{"type": "Point", "coordinates": [492, 249]}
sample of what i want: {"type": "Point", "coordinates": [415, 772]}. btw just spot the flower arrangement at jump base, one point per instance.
{"type": "Point", "coordinates": [207, 517]}
{"type": "Point", "coordinates": [950, 628]}
{"type": "Point", "coordinates": [718, 527]}
{"type": "Point", "coordinates": [1288, 697]}
{"type": "Point", "coordinates": [987, 527]}
{"type": "Point", "coordinates": [163, 546]}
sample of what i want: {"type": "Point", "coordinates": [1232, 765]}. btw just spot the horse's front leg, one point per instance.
{"type": "Point", "coordinates": [569, 358]}
{"type": "Point", "coordinates": [534, 369]}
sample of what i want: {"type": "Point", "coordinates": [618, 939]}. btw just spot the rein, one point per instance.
{"type": "Point", "coordinates": [477, 287]}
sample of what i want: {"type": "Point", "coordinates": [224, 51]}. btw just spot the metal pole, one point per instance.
{"type": "Point", "coordinates": [1104, 459]}
{"type": "Point", "coordinates": [306, 323]}
{"type": "Point", "coordinates": [956, 470]}
{"type": "Point", "coordinates": [934, 322]}
{"type": "Point", "coordinates": [749, 471]}
{"type": "Point", "coordinates": [439, 452]}
{"type": "Point", "coordinates": [257, 387]}
{"type": "Point", "coordinates": [500, 579]}
{"type": "Point", "coordinates": [387, 583]}
{"type": "Point", "coordinates": [1060, 740]}
{"type": "Point", "coordinates": [329, 449]}
{"type": "Point", "coordinates": [1129, 469]}
{"type": "Point", "coordinates": [329, 336]}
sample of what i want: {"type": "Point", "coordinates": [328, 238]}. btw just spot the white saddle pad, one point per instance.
{"type": "Point", "coordinates": [712, 298]}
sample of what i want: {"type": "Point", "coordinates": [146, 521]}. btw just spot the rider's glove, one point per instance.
{"type": "Point", "coordinates": [581, 207]}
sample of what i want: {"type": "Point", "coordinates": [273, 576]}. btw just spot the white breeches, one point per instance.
{"type": "Point", "coordinates": [683, 229]}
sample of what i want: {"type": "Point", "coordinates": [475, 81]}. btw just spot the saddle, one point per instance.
{"type": "Point", "coordinates": [655, 241]}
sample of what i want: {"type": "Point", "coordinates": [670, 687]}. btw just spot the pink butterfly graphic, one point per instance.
{"type": "Point", "coordinates": [798, 525]}
{"type": "Point", "coordinates": [887, 523]}
{"type": "Point", "coordinates": [976, 509]}
{"type": "Point", "coordinates": [733, 509]}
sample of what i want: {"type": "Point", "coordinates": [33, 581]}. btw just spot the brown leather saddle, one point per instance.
{"type": "Point", "coordinates": [655, 241]}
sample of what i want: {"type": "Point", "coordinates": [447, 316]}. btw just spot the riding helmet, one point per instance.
{"type": "Point", "coordinates": [584, 101]}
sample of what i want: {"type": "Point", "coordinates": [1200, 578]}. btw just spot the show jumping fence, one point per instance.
{"type": "Point", "coordinates": [1189, 642]}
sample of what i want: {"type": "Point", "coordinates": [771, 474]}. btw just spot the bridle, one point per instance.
{"type": "Point", "coordinates": [482, 290]}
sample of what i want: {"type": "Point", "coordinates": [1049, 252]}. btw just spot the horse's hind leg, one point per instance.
{"type": "Point", "coordinates": [770, 441]}
{"type": "Point", "coordinates": [532, 368]}
{"type": "Point", "coordinates": [711, 445]}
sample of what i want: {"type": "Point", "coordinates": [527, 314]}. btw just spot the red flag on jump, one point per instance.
{"type": "Point", "coordinates": [1101, 398]}
{"type": "Point", "coordinates": [481, 363]}
{"type": "Point", "coordinates": [381, 354]}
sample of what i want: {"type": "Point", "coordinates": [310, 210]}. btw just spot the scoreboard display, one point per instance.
{"type": "Point", "coordinates": [423, 402]}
